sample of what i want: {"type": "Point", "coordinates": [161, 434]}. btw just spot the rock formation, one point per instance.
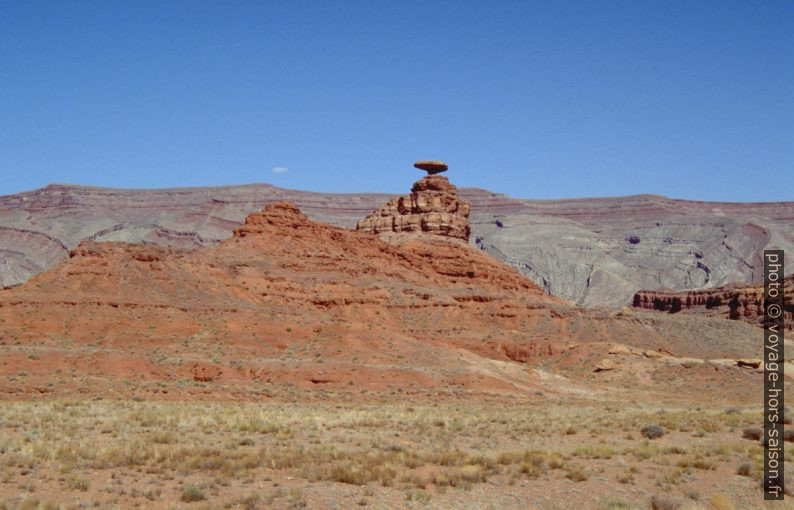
{"type": "Point", "coordinates": [431, 166]}
{"type": "Point", "coordinates": [433, 207]}
{"type": "Point", "coordinates": [595, 251]}
{"type": "Point", "coordinates": [287, 304]}
{"type": "Point", "coordinates": [737, 302]}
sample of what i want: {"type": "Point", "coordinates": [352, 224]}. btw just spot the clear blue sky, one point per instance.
{"type": "Point", "coordinates": [534, 99]}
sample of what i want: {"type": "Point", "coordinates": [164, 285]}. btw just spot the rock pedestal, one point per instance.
{"type": "Point", "coordinates": [432, 207]}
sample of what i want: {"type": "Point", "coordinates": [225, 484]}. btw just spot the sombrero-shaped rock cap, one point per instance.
{"type": "Point", "coordinates": [431, 166]}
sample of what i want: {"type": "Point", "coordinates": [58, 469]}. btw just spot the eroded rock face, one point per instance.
{"type": "Point", "coordinates": [281, 214]}
{"type": "Point", "coordinates": [310, 307]}
{"type": "Point", "coordinates": [594, 251]}
{"type": "Point", "coordinates": [737, 302]}
{"type": "Point", "coordinates": [433, 207]}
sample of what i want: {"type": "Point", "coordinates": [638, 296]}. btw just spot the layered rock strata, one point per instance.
{"type": "Point", "coordinates": [737, 302]}
{"type": "Point", "coordinates": [433, 207]}
{"type": "Point", "coordinates": [290, 308]}
{"type": "Point", "coordinates": [594, 251]}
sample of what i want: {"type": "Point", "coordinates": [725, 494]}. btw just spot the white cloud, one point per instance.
{"type": "Point", "coordinates": [280, 169]}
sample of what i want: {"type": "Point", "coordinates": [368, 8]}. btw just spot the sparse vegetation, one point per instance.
{"type": "Point", "coordinates": [721, 502]}
{"type": "Point", "coordinates": [80, 484]}
{"type": "Point", "coordinates": [652, 431]}
{"type": "Point", "coordinates": [745, 469]}
{"type": "Point", "coordinates": [664, 503]}
{"type": "Point", "coordinates": [244, 455]}
{"type": "Point", "coordinates": [617, 504]}
{"type": "Point", "coordinates": [191, 494]}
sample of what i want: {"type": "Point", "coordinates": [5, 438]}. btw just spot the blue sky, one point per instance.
{"type": "Point", "coordinates": [534, 99]}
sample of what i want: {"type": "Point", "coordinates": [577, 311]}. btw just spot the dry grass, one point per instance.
{"type": "Point", "coordinates": [125, 452]}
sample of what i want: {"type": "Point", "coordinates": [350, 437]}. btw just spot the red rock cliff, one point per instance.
{"type": "Point", "coordinates": [737, 302]}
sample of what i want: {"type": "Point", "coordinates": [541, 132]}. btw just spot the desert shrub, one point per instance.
{"type": "Point", "coordinates": [32, 504]}
{"type": "Point", "coordinates": [357, 471]}
{"type": "Point", "coordinates": [626, 477]}
{"type": "Point", "coordinates": [594, 452]}
{"type": "Point", "coordinates": [616, 504]}
{"type": "Point", "coordinates": [745, 468]}
{"type": "Point", "coordinates": [296, 498]}
{"type": "Point", "coordinates": [721, 502]}
{"type": "Point", "coordinates": [163, 438]}
{"type": "Point", "coordinates": [251, 502]}
{"type": "Point", "coordinates": [652, 431]}
{"type": "Point", "coordinates": [788, 485]}
{"type": "Point", "coordinates": [556, 461]}
{"type": "Point", "coordinates": [644, 451]}
{"type": "Point", "coordinates": [419, 496]}
{"type": "Point", "coordinates": [534, 466]}
{"type": "Point", "coordinates": [576, 474]}
{"type": "Point", "coordinates": [664, 503]}
{"type": "Point", "coordinates": [468, 474]}
{"type": "Point", "coordinates": [752, 433]}
{"type": "Point", "coordinates": [191, 494]}
{"type": "Point", "coordinates": [80, 484]}
{"type": "Point", "coordinates": [696, 462]}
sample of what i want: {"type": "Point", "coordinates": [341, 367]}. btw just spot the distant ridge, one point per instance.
{"type": "Point", "coordinates": [581, 249]}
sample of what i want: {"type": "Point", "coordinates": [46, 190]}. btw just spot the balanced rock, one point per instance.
{"type": "Point", "coordinates": [432, 207]}
{"type": "Point", "coordinates": [431, 166]}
